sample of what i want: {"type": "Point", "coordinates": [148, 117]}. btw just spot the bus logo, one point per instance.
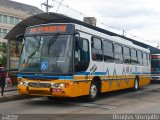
{"type": "Point", "coordinates": [93, 69]}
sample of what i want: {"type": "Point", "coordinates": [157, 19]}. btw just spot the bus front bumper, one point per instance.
{"type": "Point", "coordinates": [155, 78]}
{"type": "Point", "coordinates": [56, 92]}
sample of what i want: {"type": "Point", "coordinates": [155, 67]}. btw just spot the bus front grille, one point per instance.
{"type": "Point", "coordinates": [39, 85]}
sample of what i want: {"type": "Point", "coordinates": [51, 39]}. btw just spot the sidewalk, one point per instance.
{"type": "Point", "coordinates": [12, 94]}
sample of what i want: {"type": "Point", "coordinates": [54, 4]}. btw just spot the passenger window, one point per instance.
{"type": "Point", "coordinates": [134, 56]}
{"type": "Point", "coordinates": [148, 59]}
{"type": "Point", "coordinates": [145, 59]}
{"type": "Point", "coordinates": [126, 55]}
{"type": "Point", "coordinates": [108, 51]}
{"type": "Point", "coordinates": [81, 55]}
{"type": "Point", "coordinates": [139, 53]}
{"type": "Point", "coordinates": [118, 53]}
{"type": "Point", "coordinates": [97, 49]}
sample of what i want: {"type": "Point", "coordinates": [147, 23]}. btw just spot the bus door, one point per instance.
{"type": "Point", "coordinates": [81, 64]}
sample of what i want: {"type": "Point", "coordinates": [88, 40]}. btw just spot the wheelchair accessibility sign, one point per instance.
{"type": "Point", "coordinates": [44, 65]}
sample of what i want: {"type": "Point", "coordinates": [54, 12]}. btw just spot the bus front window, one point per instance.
{"type": "Point", "coordinates": [155, 65]}
{"type": "Point", "coordinates": [47, 54]}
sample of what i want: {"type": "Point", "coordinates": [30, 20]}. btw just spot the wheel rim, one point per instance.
{"type": "Point", "coordinates": [136, 84]}
{"type": "Point", "coordinates": [93, 91]}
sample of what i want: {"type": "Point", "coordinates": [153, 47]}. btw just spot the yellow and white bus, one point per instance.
{"type": "Point", "coordinates": [71, 60]}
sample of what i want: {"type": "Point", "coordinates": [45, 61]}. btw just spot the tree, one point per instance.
{"type": "Point", "coordinates": [3, 54]}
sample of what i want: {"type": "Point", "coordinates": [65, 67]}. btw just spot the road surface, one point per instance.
{"type": "Point", "coordinates": [144, 101]}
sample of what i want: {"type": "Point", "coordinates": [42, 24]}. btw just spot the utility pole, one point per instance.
{"type": "Point", "coordinates": [46, 4]}
{"type": "Point", "coordinates": [158, 45]}
{"type": "Point", "coordinates": [123, 33]}
{"type": "Point", "coordinates": [59, 5]}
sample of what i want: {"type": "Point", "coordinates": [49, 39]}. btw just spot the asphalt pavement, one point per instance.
{"type": "Point", "coordinates": [11, 94]}
{"type": "Point", "coordinates": [145, 101]}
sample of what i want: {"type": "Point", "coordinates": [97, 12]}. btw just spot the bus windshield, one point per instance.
{"type": "Point", "coordinates": [155, 65]}
{"type": "Point", "coordinates": [47, 54]}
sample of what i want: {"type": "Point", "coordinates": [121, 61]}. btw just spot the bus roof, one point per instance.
{"type": "Point", "coordinates": [116, 39]}
{"type": "Point", "coordinates": [45, 18]}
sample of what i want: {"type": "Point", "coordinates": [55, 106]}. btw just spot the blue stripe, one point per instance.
{"type": "Point", "coordinates": [99, 73]}
{"type": "Point", "coordinates": [45, 76]}
{"type": "Point", "coordinates": [146, 73]}
{"type": "Point", "coordinates": [82, 73]}
{"type": "Point", "coordinates": [88, 73]}
{"type": "Point", "coordinates": [104, 73]}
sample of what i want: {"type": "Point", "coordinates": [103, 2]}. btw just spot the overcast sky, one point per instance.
{"type": "Point", "coordinates": [139, 18]}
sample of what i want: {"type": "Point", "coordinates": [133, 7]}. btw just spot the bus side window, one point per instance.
{"type": "Point", "coordinates": [134, 56]}
{"type": "Point", "coordinates": [145, 59]}
{"type": "Point", "coordinates": [97, 49]}
{"type": "Point", "coordinates": [108, 51]}
{"type": "Point", "coordinates": [81, 55]}
{"type": "Point", "coordinates": [148, 59]}
{"type": "Point", "coordinates": [118, 53]}
{"type": "Point", "coordinates": [126, 54]}
{"type": "Point", "coordinates": [139, 54]}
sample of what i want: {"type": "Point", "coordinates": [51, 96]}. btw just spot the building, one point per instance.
{"type": "Point", "coordinates": [11, 13]}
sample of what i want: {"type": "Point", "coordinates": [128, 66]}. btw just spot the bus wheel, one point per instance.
{"type": "Point", "coordinates": [136, 84]}
{"type": "Point", "coordinates": [92, 92]}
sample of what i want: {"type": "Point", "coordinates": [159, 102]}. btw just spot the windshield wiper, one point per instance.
{"type": "Point", "coordinates": [52, 40]}
{"type": "Point", "coordinates": [37, 49]}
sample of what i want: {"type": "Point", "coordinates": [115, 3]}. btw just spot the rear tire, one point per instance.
{"type": "Point", "coordinates": [92, 92]}
{"type": "Point", "coordinates": [136, 84]}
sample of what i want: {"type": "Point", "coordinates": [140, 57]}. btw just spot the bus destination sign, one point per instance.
{"type": "Point", "coordinates": [155, 56]}
{"type": "Point", "coordinates": [49, 29]}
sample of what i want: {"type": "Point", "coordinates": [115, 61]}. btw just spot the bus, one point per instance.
{"type": "Point", "coordinates": [155, 67]}
{"type": "Point", "coordinates": [71, 60]}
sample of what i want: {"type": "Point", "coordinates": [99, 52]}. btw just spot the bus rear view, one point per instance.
{"type": "Point", "coordinates": [155, 67]}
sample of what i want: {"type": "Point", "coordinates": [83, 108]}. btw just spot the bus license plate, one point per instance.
{"type": "Point", "coordinates": [57, 90]}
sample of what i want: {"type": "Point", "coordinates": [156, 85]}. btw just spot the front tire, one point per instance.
{"type": "Point", "coordinates": [92, 92]}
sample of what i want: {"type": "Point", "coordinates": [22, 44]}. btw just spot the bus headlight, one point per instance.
{"type": "Point", "coordinates": [59, 85]}
{"type": "Point", "coordinates": [25, 83]}
{"type": "Point", "coordinates": [62, 85]}
{"type": "Point", "coordinates": [22, 83]}
{"type": "Point", "coordinates": [56, 85]}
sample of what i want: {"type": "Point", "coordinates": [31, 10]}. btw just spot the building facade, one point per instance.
{"type": "Point", "coordinates": [11, 13]}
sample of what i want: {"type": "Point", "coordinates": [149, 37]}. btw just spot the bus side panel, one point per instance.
{"type": "Point", "coordinates": [82, 85]}
{"type": "Point", "coordinates": [145, 76]}
{"type": "Point", "coordinates": [108, 70]}
{"type": "Point", "coordinates": [112, 81]}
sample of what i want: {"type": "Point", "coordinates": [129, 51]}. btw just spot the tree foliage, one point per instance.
{"type": "Point", "coordinates": [3, 54]}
